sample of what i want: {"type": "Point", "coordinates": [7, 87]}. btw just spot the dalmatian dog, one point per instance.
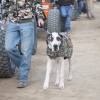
{"type": "Point", "coordinates": [54, 42]}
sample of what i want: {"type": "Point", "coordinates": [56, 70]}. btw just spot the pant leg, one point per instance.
{"type": "Point", "coordinates": [27, 42]}
{"type": "Point", "coordinates": [68, 19]}
{"type": "Point", "coordinates": [12, 38]}
{"type": "Point", "coordinates": [80, 6]}
{"type": "Point", "coordinates": [64, 13]}
{"type": "Point", "coordinates": [13, 66]}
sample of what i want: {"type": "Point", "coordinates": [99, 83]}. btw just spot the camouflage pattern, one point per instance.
{"type": "Point", "coordinates": [18, 10]}
{"type": "Point", "coordinates": [65, 49]}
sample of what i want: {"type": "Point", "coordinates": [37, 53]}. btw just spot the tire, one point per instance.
{"type": "Point", "coordinates": [74, 11]}
{"type": "Point", "coordinates": [6, 71]}
{"type": "Point", "coordinates": [63, 24]}
{"type": "Point", "coordinates": [35, 37]}
{"type": "Point", "coordinates": [53, 23]}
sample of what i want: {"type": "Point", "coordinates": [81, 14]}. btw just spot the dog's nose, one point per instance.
{"type": "Point", "coordinates": [55, 47]}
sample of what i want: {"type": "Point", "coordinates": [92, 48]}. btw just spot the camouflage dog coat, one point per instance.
{"type": "Point", "coordinates": [65, 49]}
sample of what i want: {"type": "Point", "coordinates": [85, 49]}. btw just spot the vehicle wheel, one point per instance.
{"type": "Point", "coordinates": [6, 70]}
{"type": "Point", "coordinates": [53, 24]}
{"type": "Point", "coordinates": [35, 37]}
{"type": "Point", "coordinates": [74, 11]}
{"type": "Point", "coordinates": [63, 24]}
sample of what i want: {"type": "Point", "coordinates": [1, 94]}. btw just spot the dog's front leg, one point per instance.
{"type": "Point", "coordinates": [70, 69]}
{"type": "Point", "coordinates": [61, 85]}
{"type": "Point", "coordinates": [57, 73]}
{"type": "Point", "coordinates": [49, 66]}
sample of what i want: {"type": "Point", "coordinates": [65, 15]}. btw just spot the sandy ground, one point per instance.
{"type": "Point", "coordinates": [85, 35]}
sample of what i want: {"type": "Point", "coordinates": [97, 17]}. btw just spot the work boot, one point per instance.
{"type": "Point", "coordinates": [21, 84]}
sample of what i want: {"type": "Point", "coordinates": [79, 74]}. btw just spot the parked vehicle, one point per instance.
{"type": "Point", "coordinates": [53, 19]}
{"type": "Point", "coordinates": [53, 22]}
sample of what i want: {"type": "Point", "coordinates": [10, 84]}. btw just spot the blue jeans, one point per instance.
{"type": "Point", "coordinates": [15, 33]}
{"type": "Point", "coordinates": [80, 6]}
{"type": "Point", "coordinates": [66, 11]}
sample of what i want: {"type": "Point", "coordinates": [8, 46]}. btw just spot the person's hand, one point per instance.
{"type": "Point", "coordinates": [40, 22]}
{"type": "Point", "coordinates": [71, 5]}
{"type": "Point", "coordinates": [3, 25]}
{"type": "Point", "coordinates": [4, 21]}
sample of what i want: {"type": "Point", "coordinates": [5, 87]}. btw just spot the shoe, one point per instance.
{"type": "Point", "coordinates": [21, 85]}
{"type": "Point", "coordinates": [67, 32]}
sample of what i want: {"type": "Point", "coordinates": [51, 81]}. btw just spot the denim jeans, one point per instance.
{"type": "Point", "coordinates": [15, 33]}
{"type": "Point", "coordinates": [80, 6]}
{"type": "Point", "coordinates": [66, 11]}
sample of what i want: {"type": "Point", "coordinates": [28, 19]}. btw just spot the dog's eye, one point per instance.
{"type": "Point", "coordinates": [58, 38]}
{"type": "Point", "coordinates": [51, 39]}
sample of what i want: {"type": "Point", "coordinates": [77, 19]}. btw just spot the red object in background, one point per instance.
{"type": "Point", "coordinates": [48, 5]}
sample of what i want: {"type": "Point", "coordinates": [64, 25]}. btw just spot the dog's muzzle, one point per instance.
{"type": "Point", "coordinates": [55, 47]}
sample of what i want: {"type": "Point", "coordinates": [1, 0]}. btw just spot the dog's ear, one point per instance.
{"type": "Point", "coordinates": [48, 35]}
{"type": "Point", "coordinates": [48, 38]}
{"type": "Point", "coordinates": [61, 36]}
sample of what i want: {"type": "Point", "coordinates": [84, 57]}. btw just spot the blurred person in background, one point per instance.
{"type": "Point", "coordinates": [80, 6]}
{"type": "Point", "coordinates": [90, 8]}
{"type": "Point", "coordinates": [66, 12]}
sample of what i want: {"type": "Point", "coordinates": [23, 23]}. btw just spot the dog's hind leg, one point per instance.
{"type": "Point", "coordinates": [49, 66]}
{"type": "Point", "coordinates": [70, 69]}
{"type": "Point", "coordinates": [61, 85]}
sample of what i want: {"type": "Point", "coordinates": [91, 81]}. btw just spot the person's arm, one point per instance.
{"type": "Point", "coordinates": [5, 10]}
{"type": "Point", "coordinates": [39, 13]}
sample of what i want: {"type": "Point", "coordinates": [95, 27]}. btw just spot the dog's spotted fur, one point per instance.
{"type": "Point", "coordinates": [54, 41]}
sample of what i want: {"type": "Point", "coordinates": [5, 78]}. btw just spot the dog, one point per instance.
{"type": "Point", "coordinates": [59, 48]}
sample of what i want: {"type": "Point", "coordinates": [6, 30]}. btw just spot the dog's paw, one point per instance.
{"type": "Point", "coordinates": [70, 78]}
{"type": "Point", "coordinates": [57, 83]}
{"type": "Point", "coordinates": [61, 85]}
{"type": "Point", "coordinates": [45, 86]}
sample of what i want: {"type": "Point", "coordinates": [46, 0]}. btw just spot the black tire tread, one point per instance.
{"type": "Point", "coordinates": [53, 24]}
{"type": "Point", "coordinates": [5, 67]}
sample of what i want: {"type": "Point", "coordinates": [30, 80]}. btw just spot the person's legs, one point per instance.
{"type": "Point", "coordinates": [63, 11]}
{"type": "Point", "coordinates": [68, 19]}
{"type": "Point", "coordinates": [80, 6]}
{"type": "Point", "coordinates": [25, 33]}
{"type": "Point", "coordinates": [27, 41]}
{"type": "Point", "coordinates": [12, 38]}
{"type": "Point", "coordinates": [66, 11]}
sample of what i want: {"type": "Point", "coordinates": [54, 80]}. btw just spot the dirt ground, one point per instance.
{"type": "Point", "coordinates": [85, 35]}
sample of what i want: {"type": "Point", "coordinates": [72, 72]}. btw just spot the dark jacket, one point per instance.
{"type": "Point", "coordinates": [66, 2]}
{"type": "Point", "coordinates": [18, 10]}
{"type": "Point", "coordinates": [79, 0]}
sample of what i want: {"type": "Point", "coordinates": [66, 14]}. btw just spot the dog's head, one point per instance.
{"type": "Point", "coordinates": [54, 41]}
